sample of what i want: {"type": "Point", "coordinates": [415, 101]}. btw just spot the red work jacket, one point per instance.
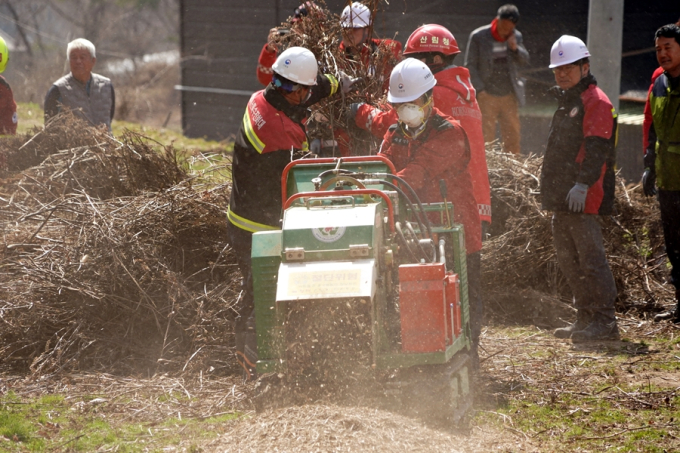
{"type": "Point", "coordinates": [441, 151]}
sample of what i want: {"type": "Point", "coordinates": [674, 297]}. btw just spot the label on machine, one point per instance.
{"type": "Point", "coordinates": [324, 280]}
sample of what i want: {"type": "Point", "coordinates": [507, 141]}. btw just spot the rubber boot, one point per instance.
{"type": "Point", "coordinates": [603, 327]}
{"type": "Point", "coordinates": [672, 315]}
{"type": "Point", "coordinates": [583, 319]}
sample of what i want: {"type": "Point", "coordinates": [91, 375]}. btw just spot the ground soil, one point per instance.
{"type": "Point", "coordinates": [514, 359]}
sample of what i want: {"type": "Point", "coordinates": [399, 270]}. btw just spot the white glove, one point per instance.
{"type": "Point", "coordinates": [346, 82]}
{"type": "Point", "coordinates": [577, 197]}
{"type": "Point", "coordinates": [315, 146]}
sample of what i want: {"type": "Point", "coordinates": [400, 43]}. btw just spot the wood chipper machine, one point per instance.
{"type": "Point", "coordinates": [364, 281]}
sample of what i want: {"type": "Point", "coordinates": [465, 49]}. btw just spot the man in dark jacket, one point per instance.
{"type": "Point", "coordinates": [662, 153]}
{"type": "Point", "coordinates": [273, 128]}
{"type": "Point", "coordinates": [494, 54]}
{"type": "Point", "coordinates": [577, 184]}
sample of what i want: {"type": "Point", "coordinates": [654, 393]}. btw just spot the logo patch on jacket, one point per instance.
{"type": "Point", "coordinates": [399, 140]}
{"type": "Point", "coordinates": [573, 112]}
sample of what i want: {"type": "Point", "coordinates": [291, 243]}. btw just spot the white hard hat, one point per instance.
{"type": "Point", "coordinates": [298, 65]}
{"type": "Point", "coordinates": [409, 80]}
{"type": "Point", "coordinates": [567, 49]}
{"type": "Point", "coordinates": [356, 15]}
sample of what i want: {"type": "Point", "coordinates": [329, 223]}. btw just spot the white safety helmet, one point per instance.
{"type": "Point", "coordinates": [567, 49]}
{"type": "Point", "coordinates": [298, 65]}
{"type": "Point", "coordinates": [356, 15]}
{"type": "Point", "coordinates": [409, 80]}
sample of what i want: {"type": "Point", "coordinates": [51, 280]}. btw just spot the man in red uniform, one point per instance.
{"type": "Point", "coordinates": [427, 146]}
{"type": "Point", "coordinates": [577, 185]}
{"type": "Point", "coordinates": [8, 108]}
{"type": "Point", "coordinates": [360, 51]}
{"type": "Point", "coordinates": [273, 128]}
{"type": "Point", "coordinates": [454, 95]}
{"type": "Point", "coordinates": [359, 46]}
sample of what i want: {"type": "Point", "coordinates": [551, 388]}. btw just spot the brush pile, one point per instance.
{"type": "Point", "coordinates": [519, 260]}
{"type": "Point", "coordinates": [321, 32]}
{"type": "Point", "coordinates": [111, 258]}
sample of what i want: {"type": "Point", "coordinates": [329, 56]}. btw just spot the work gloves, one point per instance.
{"type": "Point", "coordinates": [352, 111]}
{"type": "Point", "coordinates": [576, 198]}
{"type": "Point", "coordinates": [315, 146]}
{"type": "Point", "coordinates": [346, 82]}
{"type": "Point", "coordinates": [649, 182]}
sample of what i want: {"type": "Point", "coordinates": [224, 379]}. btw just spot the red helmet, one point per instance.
{"type": "Point", "coordinates": [431, 38]}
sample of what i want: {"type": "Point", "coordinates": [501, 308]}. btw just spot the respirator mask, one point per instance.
{"type": "Point", "coordinates": [412, 115]}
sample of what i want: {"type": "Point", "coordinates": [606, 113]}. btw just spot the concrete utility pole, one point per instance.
{"type": "Point", "coordinates": [605, 37]}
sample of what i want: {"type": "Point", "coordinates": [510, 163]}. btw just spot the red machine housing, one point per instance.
{"type": "Point", "coordinates": [429, 304]}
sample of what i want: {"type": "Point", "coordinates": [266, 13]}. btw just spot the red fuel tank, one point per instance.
{"type": "Point", "coordinates": [425, 323]}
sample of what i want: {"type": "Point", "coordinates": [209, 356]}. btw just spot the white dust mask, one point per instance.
{"type": "Point", "coordinates": [412, 115]}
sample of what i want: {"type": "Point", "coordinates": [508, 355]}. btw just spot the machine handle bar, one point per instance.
{"type": "Point", "coordinates": [329, 160]}
{"type": "Point", "coordinates": [335, 193]}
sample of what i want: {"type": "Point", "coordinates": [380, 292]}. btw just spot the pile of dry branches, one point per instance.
{"type": "Point", "coordinates": [520, 255]}
{"type": "Point", "coordinates": [321, 32]}
{"type": "Point", "coordinates": [112, 260]}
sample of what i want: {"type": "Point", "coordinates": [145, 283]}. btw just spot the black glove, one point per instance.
{"type": "Point", "coordinates": [649, 182]}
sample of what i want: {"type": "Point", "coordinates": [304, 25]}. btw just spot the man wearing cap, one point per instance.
{"type": "Point", "coordinates": [273, 128]}
{"type": "Point", "coordinates": [494, 55]}
{"type": "Point", "coordinates": [427, 146]}
{"type": "Point", "coordinates": [662, 151]}
{"type": "Point", "coordinates": [577, 185]}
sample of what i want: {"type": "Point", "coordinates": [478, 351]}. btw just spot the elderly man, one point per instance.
{"type": "Point", "coordinates": [577, 185]}
{"type": "Point", "coordinates": [494, 54]}
{"type": "Point", "coordinates": [88, 94]}
{"type": "Point", "coordinates": [662, 153]}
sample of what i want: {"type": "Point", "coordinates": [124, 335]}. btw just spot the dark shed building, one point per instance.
{"type": "Point", "coordinates": [221, 40]}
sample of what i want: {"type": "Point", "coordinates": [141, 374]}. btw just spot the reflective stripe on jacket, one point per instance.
{"type": "Point", "coordinates": [272, 129]}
